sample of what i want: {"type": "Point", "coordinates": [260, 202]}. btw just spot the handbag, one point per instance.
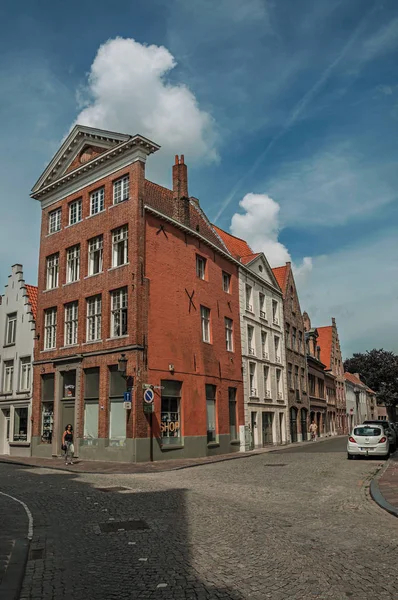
{"type": "Point", "coordinates": [63, 448]}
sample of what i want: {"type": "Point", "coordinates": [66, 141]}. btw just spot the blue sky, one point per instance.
{"type": "Point", "coordinates": [287, 113]}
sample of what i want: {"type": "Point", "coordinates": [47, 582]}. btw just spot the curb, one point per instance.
{"type": "Point", "coordinates": [378, 497]}
{"type": "Point", "coordinates": [233, 456]}
{"type": "Point", "coordinates": [11, 585]}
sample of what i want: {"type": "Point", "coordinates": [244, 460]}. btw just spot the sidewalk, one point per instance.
{"type": "Point", "coordinates": [118, 468]}
{"type": "Point", "coordinates": [384, 490]}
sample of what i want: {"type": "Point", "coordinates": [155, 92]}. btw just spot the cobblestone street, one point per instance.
{"type": "Point", "coordinates": [297, 524]}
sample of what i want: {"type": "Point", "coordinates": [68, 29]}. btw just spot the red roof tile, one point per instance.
{"type": "Point", "coordinates": [161, 199]}
{"type": "Point", "coordinates": [325, 342]}
{"type": "Point", "coordinates": [32, 296]}
{"type": "Point", "coordinates": [237, 247]}
{"type": "Point", "coordinates": [281, 276]}
{"type": "Point", "coordinates": [351, 377]}
{"type": "Point", "coordinates": [248, 259]}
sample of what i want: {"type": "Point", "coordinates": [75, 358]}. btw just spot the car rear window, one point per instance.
{"type": "Point", "coordinates": [368, 430]}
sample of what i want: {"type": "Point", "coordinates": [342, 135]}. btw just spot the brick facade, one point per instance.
{"type": "Point", "coordinates": [162, 340]}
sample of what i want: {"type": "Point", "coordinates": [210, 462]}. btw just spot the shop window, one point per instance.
{"type": "Point", "coordinates": [211, 414]}
{"type": "Point", "coordinates": [170, 420]}
{"type": "Point", "coordinates": [117, 412]}
{"type": "Point", "coordinates": [91, 406]}
{"type": "Point", "coordinates": [232, 413]}
{"type": "Point", "coordinates": [21, 424]}
{"type": "Point", "coordinates": [47, 412]}
{"type": "Point", "coordinates": [69, 385]}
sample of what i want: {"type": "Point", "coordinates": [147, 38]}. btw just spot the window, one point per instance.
{"type": "Point", "coordinates": [119, 312]}
{"type": "Point", "coordinates": [296, 379]}
{"type": "Point", "coordinates": [11, 329]}
{"type": "Point", "coordinates": [294, 338]}
{"type": "Point", "coordinates": [117, 417]}
{"type": "Point", "coordinates": [300, 347]}
{"type": "Point", "coordinates": [21, 424]}
{"type": "Point", "coordinates": [229, 334]}
{"type": "Point", "coordinates": [25, 371]}
{"type": "Point", "coordinates": [252, 379]}
{"type": "Point", "coordinates": [205, 317]}
{"type": "Point", "coordinates": [52, 271]}
{"type": "Point", "coordinates": [8, 375]}
{"type": "Point", "coordinates": [211, 413]}
{"type": "Point", "coordinates": [95, 254]}
{"type": "Point", "coordinates": [94, 308]}
{"type": "Point", "coordinates": [170, 419]}
{"type": "Point", "coordinates": [321, 388]}
{"type": "Point", "coordinates": [276, 342]}
{"type": "Point", "coordinates": [267, 392]}
{"type": "Point", "coordinates": [264, 344]}
{"type": "Point", "coordinates": [275, 312]}
{"type": "Point", "coordinates": [311, 383]}
{"type": "Point", "coordinates": [47, 415]}
{"type": "Point", "coordinates": [121, 190]}
{"type": "Point", "coordinates": [250, 340]}
{"type": "Point", "coordinates": [50, 328]}
{"type": "Point", "coordinates": [73, 264]}
{"type": "Point", "coordinates": [290, 376]}
{"type": "Point", "coordinates": [54, 220]}
{"type": "Point", "coordinates": [261, 299]}
{"type": "Point", "coordinates": [233, 432]}
{"type": "Point", "coordinates": [278, 383]}
{"type": "Point", "coordinates": [200, 267]}
{"type": "Point", "coordinates": [303, 386]}
{"type": "Point", "coordinates": [287, 335]}
{"type": "Point", "coordinates": [120, 246]}
{"type": "Point", "coordinates": [97, 201]}
{"type": "Point", "coordinates": [249, 291]}
{"type": "Point", "coordinates": [75, 211]}
{"type": "Point", "coordinates": [226, 282]}
{"type": "Point", "coordinates": [71, 323]}
{"type": "Point", "coordinates": [91, 400]}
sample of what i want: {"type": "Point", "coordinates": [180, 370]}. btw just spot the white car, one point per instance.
{"type": "Point", "coordinates": [368, 440]}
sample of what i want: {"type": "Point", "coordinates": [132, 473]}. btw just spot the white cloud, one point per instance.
{"type": "Point", "coordinates": [382, 42]}
{"type": "Point", "coordinates": [358, 286]}
{"type": "Point", "coordinates": [128, 91]}
{"type": "Point", "coordinates": [259, 225]}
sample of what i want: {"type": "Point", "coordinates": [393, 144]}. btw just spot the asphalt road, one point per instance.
{"type": "Point", "coordinates": [296, 524]}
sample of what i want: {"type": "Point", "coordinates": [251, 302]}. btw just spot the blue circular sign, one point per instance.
{"type": "Point", "coordinates": [149, 396]}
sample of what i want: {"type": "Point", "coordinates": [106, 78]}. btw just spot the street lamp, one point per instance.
{"type": "Point", "coordinates": [122, 368]}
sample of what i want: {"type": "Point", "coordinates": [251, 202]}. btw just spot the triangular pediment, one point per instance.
{"type": "Point", "coordinates": [82, 145]}
{"type": "Point", "coordinates": [260, 266]}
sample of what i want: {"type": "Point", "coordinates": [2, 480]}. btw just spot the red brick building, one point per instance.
{"type": "Point", "coordinates": [296, 362]}
{"type": "Point", "coordinates": [132, 278]}
{"type": "Point", "coordinates": [316, 377]}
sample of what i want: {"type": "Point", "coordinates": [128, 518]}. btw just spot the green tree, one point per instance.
{"type": "Point", "coordinates": [379, 371]}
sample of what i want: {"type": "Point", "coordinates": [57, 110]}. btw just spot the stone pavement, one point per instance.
{"type": "Point", "coordinates": [96, 466]}
{"type": "Point", "coordinates": [13, 547]}
{"type": "Point", "coordinates": [294, 524]}
{"type": "Point", "coordinates": [385, 488]}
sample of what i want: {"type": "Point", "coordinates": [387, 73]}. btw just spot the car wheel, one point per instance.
{"type": "Point", "coordinates": [349, 456]}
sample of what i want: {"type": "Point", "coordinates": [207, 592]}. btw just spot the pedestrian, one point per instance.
{"type": "Point", "coordinates": [313, 430]}
{"type": "Point", "coordinates": [67, 444]}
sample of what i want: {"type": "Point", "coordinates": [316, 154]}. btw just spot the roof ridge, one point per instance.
{"type": "Point", "coordinates": [230, 234]}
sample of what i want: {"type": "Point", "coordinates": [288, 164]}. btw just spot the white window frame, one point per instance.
{"type": "Point", "coordinates": [205, 320]}
{"type": "Point", "coordinates": [75, 211]}
{"type": "Point", "coordinates": [52, 271]}
{"type": "Point", "coordinates": [25, 373]}
{"type": "Point", "coordinates": [50, 328]}
{"type": "Point", "coordinates": [71, 311]}
{"type": "Point", "coordinates": [264, 344]}
{"type": "Point", "coordinates": [226, 282]}
{"type": "Point", "coordinates": [229, 334]}
{"type": "Point", "coordinates": [278, 378]}
{"type": "Point", "coordinates": [120, 246]}
{"type": "Point", "coordinates": [252, 379]}
{"type": "Point", "coordinates": [275, 312]}
{"type": "Point", "coordinates": [95, 245]}
{"type": "Point", "coordinates": [8, 376]}
{"type": "Point", "coordinates": [201, 267]}
{"type": "Point", "coordinates": [73, 264]}
{"type": "Point", "coordinates": [266, 371]}
{"type": "Point", "coordinates": [11, 329]}
{"type": "Point", "coordinates": [97, 201]}
{"type": "Point", "coordinates": [121, 189]}
{"type": "Point", "coordinates": [277, 346]}
{"type": "Point", "coordinates": [119, 315]}
{"type": "Point", "coordinates": [251, 342]}
{"type": "Point", "coordinates": [249, 297]}
{"type": "Point", "coordinates": [261, 300]}
{"type": "Point", "coordinates": [54, 220]}
{"type": "Point", "coordinates": [94, 318]}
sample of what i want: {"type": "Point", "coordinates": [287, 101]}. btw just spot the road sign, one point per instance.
{"type": "Point", "coordinates": [149, 408]}
{"type": "Point", "coordinates": [147, 385]}
{"type": "Point", "coordinates": [127, 397]}
{"type": "Point", "coordinates": [149, 396]}
{"type": "Point", "coordinates": [127, 405]}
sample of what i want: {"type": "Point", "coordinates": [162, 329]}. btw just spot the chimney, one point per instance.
{"type": "Point", "coordinates": [180, 191]}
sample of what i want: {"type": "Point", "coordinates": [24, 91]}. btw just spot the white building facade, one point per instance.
{"type": "Point", "coordinates": [263, 354]}
{"type": "Point", "coordinates": [17, 331]}
{"type": "Point", "coordinates": [357, 400]}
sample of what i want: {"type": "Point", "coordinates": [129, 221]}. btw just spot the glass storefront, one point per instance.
{"type": "Point", "coordinates": [170, 420]}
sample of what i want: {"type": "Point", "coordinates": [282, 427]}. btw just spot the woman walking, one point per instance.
{"type": "Point", "coordinates": [67, 444]}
